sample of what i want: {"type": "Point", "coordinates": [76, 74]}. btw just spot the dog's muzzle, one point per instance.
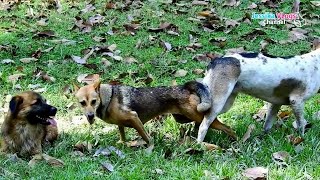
{"type": "Point", "coordinates": [90, 117]}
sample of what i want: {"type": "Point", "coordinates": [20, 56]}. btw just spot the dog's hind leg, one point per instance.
{"type": "Point", "coordinates": [297, 105]}
{"type": "Point", "coordinates": [222, 101]}
{"type": "Point", "coordinates": [271, 116]}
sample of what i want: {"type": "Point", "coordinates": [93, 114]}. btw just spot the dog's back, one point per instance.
{"type": "Point", "coordinates": [274, 78]}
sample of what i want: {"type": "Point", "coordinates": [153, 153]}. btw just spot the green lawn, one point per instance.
{"type": "Point", "coordinates": [19, 25]}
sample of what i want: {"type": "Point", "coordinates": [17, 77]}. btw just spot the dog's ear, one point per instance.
{"type": "Point", "coordinates": [75, 88]}
{"type": "Point", "coordinates": [14, 104]}
{"type": "Point", "coordinates": [96, 84]}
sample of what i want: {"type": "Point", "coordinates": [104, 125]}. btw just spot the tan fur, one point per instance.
{"type": "Point", "coordinates": [18, 135]}
{"type": "Point", "coordinates": [132, 107]}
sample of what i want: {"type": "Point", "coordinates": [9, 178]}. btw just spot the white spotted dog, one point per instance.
{"type": "Point", "coordinates": [277, 80]}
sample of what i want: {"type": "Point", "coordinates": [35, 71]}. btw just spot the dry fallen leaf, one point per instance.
{"type": "Point", "coordinates": [28, 60]}
{"type": "Point", "coordinates": [7, 61]}
{"type": "Point", "coordinates": [54, 162]}
{"type": "Point", "coordinates": [83, 146]}
{"type": "Point", "coordinates": [256, 173]}
{"type": "Point", "coordinates": [294, 140]}
{"type": "Point", "coordinates": [107, 166]}
{"type": "Point", "coordinates": [83, 60]}
{"type": "Point", "coordinates": [315, 3]}
{"type": "Point", "coordinates": [136, 143]}
{"type": "Point", "coordinates": [15, 77]}
{"type": "Point", "coordinates": [252, 6]}
{"type": "Point", "coordinates": [47, 33]}
{"type": "Point", "coordinates": [180, 73]}
{"type": "Point", "coordinates": [195, 2]}
{"type": "Point", "coordinates": [211, 147]}
{"type": "Point", "coordinates": [232, 3]}
{"type": "Point", "coordinates": [88, 78]}
{"type": "Point", "coordinates": [235, 50]}
{"type": "Point", "coordinates": [35, 159]}
{"type": "Point", "coordinates": [247, 135]}
{"type": "Point", "coordinates": [281, 156]}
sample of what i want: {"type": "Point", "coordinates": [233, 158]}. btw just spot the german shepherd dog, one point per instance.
{"type": "Point", "coordinates": [28, 124]}
{"type": "Point", "coordinates": [127, 106]}
{"type": "Point", "coordinates": [277, 80]}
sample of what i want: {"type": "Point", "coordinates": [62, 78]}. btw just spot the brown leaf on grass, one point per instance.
{"type": "Point", "coordinates": [96, 19]}
{"type": "Point", "coordinates": [110, 5]}
{"type": "Point", "coordinates": [231, 3]}
{"type": "Point", "coordinates": [162, 27]}
{"type": "Point", "coordinates": [198, 71]}
{"type": "Point", "coordinates": [265, 42]}
{"type": "Point", "coordinates": [294, 140]}
{"type": "Point", "coordinates": [130, 60]}
{"type": "Point", "coordinates": [83, 60]}
{"type": "Point", "coordinates": [235, 50]}
{"type": "Point", "coordinates": [270, 3]}
{"type": "Point", "coordinates": [136, 143]}
{"type": "Point", "coordinates": [202, 57]}
{"type": "Point", "coordinates": [132, 28]}
{"type": "Point", "coordinates": [99, 39]}
{"type": "Point", "coordinates": [283, 115]}
{"type": "Point", "coordinates": [211, 147]}
{"type": "Point", "coordinates": [261, 114]}
{"type": "Point", "coordinates": [107, 166]}
{"type": "Point", "coordinates": [253, 34]}
{"type": "Point", "coordinates": [252, 6]}
{"type": "Point", "coordinates": [296, 6]}
{"type": "Point", "coordinates": [35, 159]}
{"type": "Point", "coordinates": [230, 23]}
{"type": "Point", "coordinates": [108, 151]}
{"type": "Point", "coordinates": [316, 44]}
{"type": "Point", "coordinates": [47, 34]}
{"type": "Point", "coordinates": [83, 26]}
{"type": "Point", "coordinates": [83, 146]}
{"type": "Point", "coordinates": [63, 41]}
{"type": "Point", "coordinates": [193, 46]}
{"type": "Point", "coordinates": [297, 34]}
{"type": "Point", "coordinates": [88, 8]}
{"type": "Point", "coordinates": [88, 78]}
{"type": "Point", "coordinates": [195, 2]}
{"type": "Point", "coordinates": [36, 54]}
{"type": "Point", "coordinates": [247, 135]}
{"type": "Point", "coordinates": [15, 77]}
{"type": "Point", "coordinates": [256, 173]}
{"type": "Point", "coordinates": [28, 60]}
{"type": "Point", "coordinates": [220, 41]}
{"type": "Point", "coordinates": [282, 156]}
{"type": "Point", "coordinates": [180, 73]}
{"type": "Point", "coordinates": [54, 162]}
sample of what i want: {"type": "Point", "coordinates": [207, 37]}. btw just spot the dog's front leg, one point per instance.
{"type": "Point", "coordinates": [122, 134]}
{"type": "Point", "coordinates": [137, 124]}
{"type": "Point", "coordinates": [271, 116]}
{"type": "Point", "coordinates": [297, 105]}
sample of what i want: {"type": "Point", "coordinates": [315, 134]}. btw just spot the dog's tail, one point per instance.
{"type": "Point", "coordinates": [203, 92]}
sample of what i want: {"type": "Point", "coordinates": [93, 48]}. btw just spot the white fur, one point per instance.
{"type": "Point", "coordinates": [259, 77]}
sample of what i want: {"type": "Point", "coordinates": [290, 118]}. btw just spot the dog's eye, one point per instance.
{"type": "Point", "coordinates": [93, 102]}
{"type": "Point", "coordinates": [83, 103]}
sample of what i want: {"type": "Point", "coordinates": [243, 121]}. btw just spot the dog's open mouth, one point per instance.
{"type": "Point", "coordinates": [47, 120]}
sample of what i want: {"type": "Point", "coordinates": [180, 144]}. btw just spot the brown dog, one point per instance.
{"type": "Point", "coordinates": [127, 106]}
{"type": "Point", "coordinates": [28, 124]}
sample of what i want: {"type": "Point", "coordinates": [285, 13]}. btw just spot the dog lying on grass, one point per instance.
{"type": "Point", "coordinates": [127, 106]}
{"type": "Point", "coordinates": [277, 80]}
{"type": "Point", "coordinates": [28, 124]}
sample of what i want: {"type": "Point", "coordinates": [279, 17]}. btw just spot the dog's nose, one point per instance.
{"type": "Point", "coordinates": [90, 115]}
{"type": "Point", "coordinates": [53, 111]}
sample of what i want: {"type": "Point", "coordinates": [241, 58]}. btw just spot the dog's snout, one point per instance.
{"type": "Point", "coordinates": [90, 115]}
{"type": "Point", "coordinates": [53, 111]}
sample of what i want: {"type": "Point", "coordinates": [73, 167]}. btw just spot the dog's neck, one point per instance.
{"type": "Point", "coordinates": [105, 93]}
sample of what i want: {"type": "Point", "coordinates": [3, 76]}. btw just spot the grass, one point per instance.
{"type": "Point", "coordinates": [17, 34]}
